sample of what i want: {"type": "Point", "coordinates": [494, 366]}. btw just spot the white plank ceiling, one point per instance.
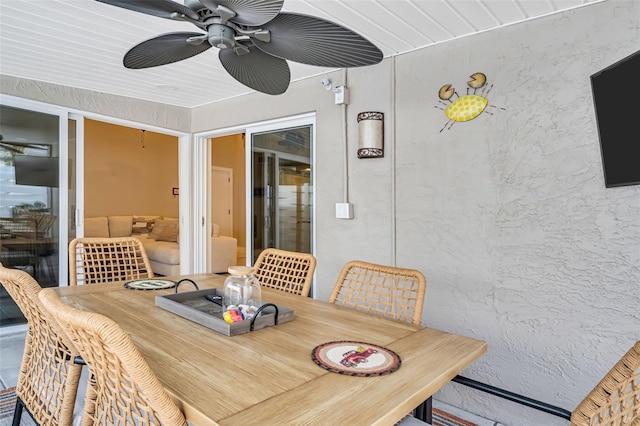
{"type": "Point", "coordinates": [80, 43]}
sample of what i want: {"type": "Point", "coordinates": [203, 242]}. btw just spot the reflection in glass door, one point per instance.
{"type": "Point", "coordinates": [264, 201]}
{"type": "Point", "coordinates": [282, 190]}
{"type": "Point", "coordinates": [29, 199]}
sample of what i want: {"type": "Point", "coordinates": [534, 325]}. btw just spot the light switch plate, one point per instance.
{"type": "Point", "coordinates": [344, 211]}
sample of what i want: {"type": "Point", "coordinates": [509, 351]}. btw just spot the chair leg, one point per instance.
{"type": "Point", "coordinates": [17, 413]}
{"type": "Point", "coordinates": [424, 411]}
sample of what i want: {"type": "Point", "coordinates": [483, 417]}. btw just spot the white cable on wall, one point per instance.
{"type": "Point", "coordinates": [344, 141]}
{"type": "Point", "coordinates": [392, 135]}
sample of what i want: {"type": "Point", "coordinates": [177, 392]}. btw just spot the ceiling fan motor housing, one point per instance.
{"type": "Point", "coordinates": [221, 36]}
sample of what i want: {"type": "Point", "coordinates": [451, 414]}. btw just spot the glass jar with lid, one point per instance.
{"type": "Point", "coordinates": [242, 291]}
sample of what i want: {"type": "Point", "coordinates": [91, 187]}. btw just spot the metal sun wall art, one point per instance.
{"type": "Point", "coordinates": [466, 107]}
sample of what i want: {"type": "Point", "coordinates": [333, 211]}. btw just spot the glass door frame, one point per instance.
{"type": "Point", "coordinates": [185, 180]}
{"type": "Point", "coordinates": [201, 165]}
{"type": "Point", "coordinates": [275, 226]}
{"type": "Point", "coordinates": [63, 176]}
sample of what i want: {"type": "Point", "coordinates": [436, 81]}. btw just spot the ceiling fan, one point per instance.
{"type": "Point", "coordinates": [255, 40]}
{"type": "Point", "coordinates": [17, 147]}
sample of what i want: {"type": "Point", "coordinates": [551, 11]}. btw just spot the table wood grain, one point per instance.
{"type": "Point", "coordinates": [267, 377]}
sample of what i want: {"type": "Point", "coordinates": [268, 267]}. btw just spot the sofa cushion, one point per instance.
{"type": "Point", "coordinates": [120, 226]}
{"type": "Point", "coordinates": [162, 251]}
{"type": "Point", "coordinates": [96, 227]}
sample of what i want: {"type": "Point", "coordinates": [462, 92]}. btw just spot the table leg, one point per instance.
{"type": "Point", "coordinates": [423, 411]}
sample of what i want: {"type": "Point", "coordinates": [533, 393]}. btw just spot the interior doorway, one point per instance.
{"type": "Point", "coordinates": [222, 199]}
{"type": "Point", "coordinates": [273, 186]}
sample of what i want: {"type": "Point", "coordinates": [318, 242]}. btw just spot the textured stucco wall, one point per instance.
{"type": "Point", "coordinates": [507, 215]}
{"type": "Point", "coordinates": [337, 240]}
{"type": "Point", "coordinates": [140, 111]}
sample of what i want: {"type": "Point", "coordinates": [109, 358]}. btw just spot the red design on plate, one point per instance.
{"type": "Point", "coordinates": [355, 358]}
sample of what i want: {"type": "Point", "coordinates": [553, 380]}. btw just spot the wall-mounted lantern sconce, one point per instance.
{"type": "Point", "coordinates": [370, 134]}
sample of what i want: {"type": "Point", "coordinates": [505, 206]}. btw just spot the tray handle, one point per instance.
{"type": "Point", "coordinates": [183, 280]}
{"type": "Point", "coordinates": [275, 322]}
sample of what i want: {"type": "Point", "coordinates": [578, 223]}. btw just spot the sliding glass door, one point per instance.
{"type": "Point", "coordinates": [282, 190]}
{"type": "Point", "coordinates": [34, 191]}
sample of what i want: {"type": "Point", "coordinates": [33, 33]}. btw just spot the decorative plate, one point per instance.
{"type": "Point", "coordinates": [356, 358]}
{"type": "Point", "coordinates": [150, 284]}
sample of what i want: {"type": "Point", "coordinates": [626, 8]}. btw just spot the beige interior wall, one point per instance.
{"type": "Point", "coordinates": [228, 151]}
{"type": "Point", "coordinates": [124, 176]}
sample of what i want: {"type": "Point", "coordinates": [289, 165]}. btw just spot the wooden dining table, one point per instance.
{"type": "Point", "coordinates": [268, 376]}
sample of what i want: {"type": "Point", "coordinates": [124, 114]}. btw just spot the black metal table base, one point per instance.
{"type": "Point", "coordinates": [423, 411]}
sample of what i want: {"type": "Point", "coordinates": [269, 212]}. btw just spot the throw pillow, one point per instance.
{"type": "Point", "coordinates": [159, 226]}
{"type": "Point", "coordinates": [169, 233]}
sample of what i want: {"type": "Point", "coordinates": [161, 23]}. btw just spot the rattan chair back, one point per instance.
{"type": "Point", "coordinates": [24, 255]}
{"type": "Point", "coordinates": [48, 378]}
{"type": "Point", "coordinates": [101, 260]}
{"type": "Point", "coordinates": [284, 270]}
{"type": "Point", "coordinates": [391, 292]}
{"type": "Point", "coordinates": [127, 392]}
{"type": "Point", "coordinates": [615, 401]}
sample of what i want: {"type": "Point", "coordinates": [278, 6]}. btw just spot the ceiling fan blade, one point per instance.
{"type": "Point", "coordinates": [257, 70]}
{"type": "Point", "coordinates": [10, 148]}
{"type": "Point", "coordinates": [162, 8]}
{"type": "Point", "coordinates": [248, 12]}
{"type": "Point", "coordinates": [164, 49]}
{"type": "Point", "coordinates": [314, 41]}
{"type": "Point", "coordinates": [24, 145]}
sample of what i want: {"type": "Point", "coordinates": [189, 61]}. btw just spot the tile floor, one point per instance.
{"type": "Point", "coordinates": [12, 346]}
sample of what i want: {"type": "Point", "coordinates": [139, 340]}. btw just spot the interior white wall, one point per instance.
{"type": "Point", "coordinates": [507, 215]}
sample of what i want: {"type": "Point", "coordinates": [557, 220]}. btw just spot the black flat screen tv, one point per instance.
{"type": "Point", "coordinates": [36, 171]}
{"type": "Point", "coordinates": [616, 93]}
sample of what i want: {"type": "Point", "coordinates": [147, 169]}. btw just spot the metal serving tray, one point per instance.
{"type": "Point", "coordinates": [194, 306]}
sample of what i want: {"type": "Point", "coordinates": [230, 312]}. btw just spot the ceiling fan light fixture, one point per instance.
{"type": "Point", "coordinates": [221, 36]}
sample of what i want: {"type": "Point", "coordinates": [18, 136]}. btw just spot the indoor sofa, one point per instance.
{"type": "Point", "coordinates": [160, 239]}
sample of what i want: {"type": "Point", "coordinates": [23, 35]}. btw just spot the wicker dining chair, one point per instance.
{"type": "Point", "coordinates": [284, 270]}
{"type": "Point", "coordinates": [127, 392]}
{"type": "Point", "coordinates": [615, 401]}
{"type": "Point", "coordinates": [48, 378]}
{"type": "Point", "coordinates": [24, 255]}
{"type": "Point", "coordinates": [100, 260]}
{"type": "Point", "coordinates": [388, 291]}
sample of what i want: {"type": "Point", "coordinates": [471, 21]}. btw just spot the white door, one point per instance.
{"type": "Point", "coordinates": [222, 199]}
